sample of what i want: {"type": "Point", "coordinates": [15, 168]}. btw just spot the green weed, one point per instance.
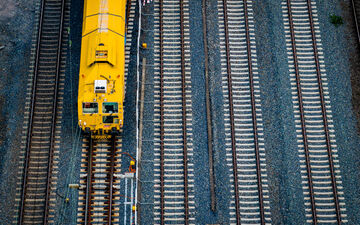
{"type": "Point", "coordinates": [336, 20]}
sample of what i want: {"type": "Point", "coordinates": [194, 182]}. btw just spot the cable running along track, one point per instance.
{"type": "Point", "coordinates": [40, 141]}
{"type": "Point", "coordinates": [244, 128]}
{"type": "Point", "coordinates": [313, 103]}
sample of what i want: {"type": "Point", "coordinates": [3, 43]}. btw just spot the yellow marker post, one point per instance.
{"type": "Point", "coordinates": [132, 168]}
{"type": "Point", "coordinates": [75, 186]}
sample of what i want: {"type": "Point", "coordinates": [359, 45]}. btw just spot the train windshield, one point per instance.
{"type": "Point", "coordinates": [110, 107]}
{"type": "Point", "coordinates": [110, 119]}
{"type": "Point", "coordinates": [90, 107]}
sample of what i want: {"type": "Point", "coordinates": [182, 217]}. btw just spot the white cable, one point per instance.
{"type": "Point", "coordinates": [137, 109]}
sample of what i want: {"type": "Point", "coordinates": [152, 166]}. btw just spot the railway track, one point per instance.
{"type": "Point", "coordinates": [99, 195]}
{"type": "Point", "coordinates": [103, 196]}
{"type": "Point", "coordinates": [320, 169]}
{"type": "Point", "coordinates": [42, 127]}
{"type": "Point", "coordinates": [173, 167]}
{"type": "Point", "coordinates": [245, 152]}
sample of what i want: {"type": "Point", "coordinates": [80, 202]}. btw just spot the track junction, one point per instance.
{"type": "Point", "coordinates": [107, 193]}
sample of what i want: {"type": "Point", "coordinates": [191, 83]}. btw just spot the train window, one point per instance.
{"type": "Point", "coordinates": [90, 107]}
{"type": "Point", "coordinates": [110, 119]}
{"type": "Point", "coordinates": [110, 107]}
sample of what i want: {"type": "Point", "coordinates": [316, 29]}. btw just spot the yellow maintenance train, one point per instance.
{"type": "Point", "coordinates": [102, 66]}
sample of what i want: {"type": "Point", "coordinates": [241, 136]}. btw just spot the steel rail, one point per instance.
{"type": "Point", "coordinates": [162, 189]}
{"type": "Point", "coordinates": [302, 116]}
{"type": "Point", "coordinates": [87, 218]}
{"type": "Point", "coordinates": [208, 112]}
{"type": "Point", "coordinates": [323, 109]}
{"type": "Point", "coordinates": [231, 108]}
{"type": "Point", "coordinates": [356, 20]}
{"type": "Point", "coordinates": [54, 112]}
{"type": "Point", "coordinates": [254, 120]}
{"type": "Point", "coordinates": [111, 176]}
{"type": "Point", "coordinates": [183, 86]}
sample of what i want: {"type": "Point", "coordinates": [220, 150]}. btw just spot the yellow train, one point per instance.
{"type": "Point", "coordinates": [102, 66]}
